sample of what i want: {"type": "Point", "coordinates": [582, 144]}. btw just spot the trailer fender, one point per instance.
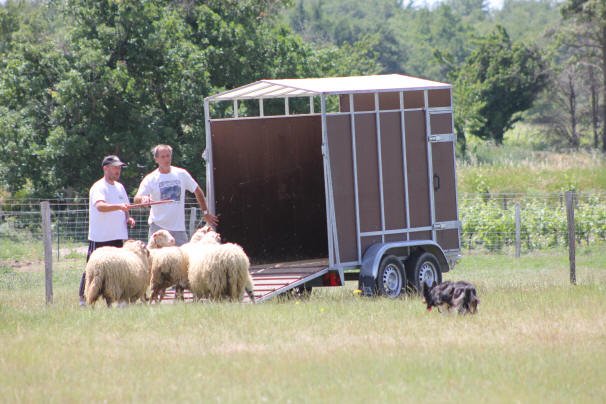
{"type": "Point", "coordinates": [373, 255]}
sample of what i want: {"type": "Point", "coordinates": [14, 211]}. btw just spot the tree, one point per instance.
{"type": "Point", "coordinates": [129, 74]}
{"type": "Point", "coordinates": [589, 17]}
{"type": "Point", "coordinates": [498, 81]}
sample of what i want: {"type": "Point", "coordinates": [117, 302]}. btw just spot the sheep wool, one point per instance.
{"type": "Point", "coordinates": [205, 234]}
{"type": "Point", "coordinates": [118, 274]}
{"type": "Point", "coordinates": [219, 271]}
{"type": "Point", "coordinates": [169, 267]}
{"type": "Point", "coordinates": [161, 238]}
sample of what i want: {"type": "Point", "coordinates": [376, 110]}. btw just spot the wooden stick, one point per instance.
{"type": "Point", "coordinates": [138, 205]}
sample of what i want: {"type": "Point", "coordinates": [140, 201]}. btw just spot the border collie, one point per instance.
{"type": "Point", "coordinates": [460, 296]}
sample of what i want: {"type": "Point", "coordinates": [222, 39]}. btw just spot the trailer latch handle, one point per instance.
{"type": "Point", "coordinates": [436, 182]}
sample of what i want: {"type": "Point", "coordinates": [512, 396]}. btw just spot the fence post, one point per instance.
{"type": "Point", "coordinates": [58, 237]}
{"type": "Point", "coordinates": [48, 250]}
{"type": "Point", "coordinates": [518, 241]}
{"type": "Point", "coordinates": [570, 200]}
{"type": "Point", "coordinates": [192, 221]}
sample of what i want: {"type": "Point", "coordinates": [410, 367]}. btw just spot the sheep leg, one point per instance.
{"type": "Point", "coordinates": [154, 295]}
{"type": "Point", "coordinates": [179, 292]}
{"type": "Point", "coordinates": [250, 294]}
{"type": "Point", "coordinates": [162, 292]}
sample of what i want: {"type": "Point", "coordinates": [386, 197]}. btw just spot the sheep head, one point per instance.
{"type": "Point", "coordinates": [161, 238]}
{"type": "Point", "coordinates": [206, 235]}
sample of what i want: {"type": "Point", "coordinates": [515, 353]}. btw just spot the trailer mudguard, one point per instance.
{"type": "Point", "coordinates": [373, 255]}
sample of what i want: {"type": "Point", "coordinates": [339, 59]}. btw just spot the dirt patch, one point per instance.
{"type": "Point", "coordinates": [35, 265]}
{"type": "Point", "coordinates": [23, 265]}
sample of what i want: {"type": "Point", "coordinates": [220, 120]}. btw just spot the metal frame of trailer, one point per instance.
{"type": "Point", "coordinates": [359, 191]}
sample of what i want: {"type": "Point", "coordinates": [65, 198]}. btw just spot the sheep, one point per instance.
{"type": "Point", "coordinates": [205, 234]}
{"type": "Point", "coordinates": [168, 266]}
{"type": "Point", "coordinates": [219, 271]}
{"type": "Point", "coordinates": [161, 238]}
{"type": "Point", "coordinates": [118, 274]}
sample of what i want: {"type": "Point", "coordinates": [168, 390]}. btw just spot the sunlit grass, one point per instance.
{"type": "Point", "coordinates": [515, 168]}
{"type": "Point", "coordinates": [536, 338]}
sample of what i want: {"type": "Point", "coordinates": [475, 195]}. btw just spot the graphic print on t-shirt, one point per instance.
{"type": "Point", "coordinates": [170, 190]}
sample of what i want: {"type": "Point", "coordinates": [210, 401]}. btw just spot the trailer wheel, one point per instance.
{"type": "Point", "coordinates": [422, 267]}
{"type": "Point", "coordinates": [391, 278]}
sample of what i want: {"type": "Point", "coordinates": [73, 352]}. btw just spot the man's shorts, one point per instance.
{"type": "Point", "coordinates": [180, 236]}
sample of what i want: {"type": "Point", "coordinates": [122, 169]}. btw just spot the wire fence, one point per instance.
{"type": "Point", "coordinates": [488, 220]}
{"type": "Point", "coordinates": [21, 219]}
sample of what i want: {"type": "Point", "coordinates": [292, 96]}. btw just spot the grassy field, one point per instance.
{"type": "Point", "coordinates": [515, 168]}
{"type": "Point", "coordinates": [536, 338]}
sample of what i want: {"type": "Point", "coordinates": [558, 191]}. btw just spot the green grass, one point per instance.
{"type": "Point", "coordinates": [536, 338]}
{"type": "Point", "coordinates": [514, 168]}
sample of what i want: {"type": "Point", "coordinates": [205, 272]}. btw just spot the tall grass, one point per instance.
{"type": "Point", "coordinates": [514, 168]}
{"type": "Point", "coordinates": [536, 338]}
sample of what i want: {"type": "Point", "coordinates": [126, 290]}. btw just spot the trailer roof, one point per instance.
{"type": "Point", "coordinates": [327, 85]}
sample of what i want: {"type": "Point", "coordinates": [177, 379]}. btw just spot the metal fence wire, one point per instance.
{"type": "Point", "coordinates": [488, 220]}
{"type": "Point", "coordinates": [21, 219]}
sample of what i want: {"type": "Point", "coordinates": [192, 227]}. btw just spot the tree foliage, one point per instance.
{"type": "Point", "coordinates": [589, 21]}
{"type": "Point", "coordinates": [499, 80]}
{"type": "Point", "coordinates": [128, 74]}
{"type": "Point", "coordinates": [80, 79]}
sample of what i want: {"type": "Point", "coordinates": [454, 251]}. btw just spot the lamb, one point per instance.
{"type": "Point", "coordinates": [219, 271]}
{"type": "Point", "coordinates": [118, 274]}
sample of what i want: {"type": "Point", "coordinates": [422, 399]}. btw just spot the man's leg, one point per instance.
{"type": "Point", "coordinates": [180, 237]}
{"type": "Point", "coordinates": [91, 248]}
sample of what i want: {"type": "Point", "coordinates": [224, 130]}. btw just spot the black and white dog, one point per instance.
{"type": "Point", "coordinates": [460, 296]}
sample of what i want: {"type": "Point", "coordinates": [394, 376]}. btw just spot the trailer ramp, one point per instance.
{"type": "Point", "coordinates": [270, 280]}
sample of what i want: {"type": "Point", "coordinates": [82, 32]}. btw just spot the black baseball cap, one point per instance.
{"type": "Point", "coordinates": [112, 161]}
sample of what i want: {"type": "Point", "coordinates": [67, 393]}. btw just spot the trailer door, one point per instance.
{"type": "Point", "coordinates": [446, 216]}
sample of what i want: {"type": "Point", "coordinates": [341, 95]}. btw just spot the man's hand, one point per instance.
{"type": "Point", "coordinates": [124, 207]}
{"type": "Point", "coordinates": [131, 222]}
{"type": "Point", "coordinates": [211, 219]}
{"type": "Point", "coordinates": [145, 199]}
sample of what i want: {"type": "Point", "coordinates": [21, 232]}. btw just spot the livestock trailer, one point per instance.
{"type": "Point", "coordinates": [324, 180]}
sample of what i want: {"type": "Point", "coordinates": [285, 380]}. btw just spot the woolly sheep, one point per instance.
{"type": "Point", "coordinates": [118, 274]}
{"type": "Point", "coordinates": [161, 238]}
{"type": "Point", "coordinates": [218, 271]}
{"type": "Point", "coordinates": [168, 268]}
{"type": "Point", "coordinates": [205, 234]}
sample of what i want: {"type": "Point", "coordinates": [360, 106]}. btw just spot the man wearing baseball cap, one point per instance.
{"type": "Point", "coordinates": [108, 212]}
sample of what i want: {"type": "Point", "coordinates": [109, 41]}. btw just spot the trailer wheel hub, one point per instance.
{"type": "Point", "coordinates": [392, 280]}
{"type": "Point", "coordinates": [427, 274]}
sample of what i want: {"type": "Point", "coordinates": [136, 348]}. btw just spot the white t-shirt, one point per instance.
{"type": "Point", "coordinates": [106, 226]}
{"type": "Point", "coordinates": [169, 216]}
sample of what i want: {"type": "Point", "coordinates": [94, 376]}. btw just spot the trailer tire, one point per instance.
{"type": "Point", "coordinates": [422, 267]}
{"type": "Point", "coordinates": [391, 278]}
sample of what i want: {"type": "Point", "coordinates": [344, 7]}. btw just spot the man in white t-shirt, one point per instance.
{"type": "Point", "coordinates": [170, 183]}
{"type": "Point", "coordinates": [107, 211]}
